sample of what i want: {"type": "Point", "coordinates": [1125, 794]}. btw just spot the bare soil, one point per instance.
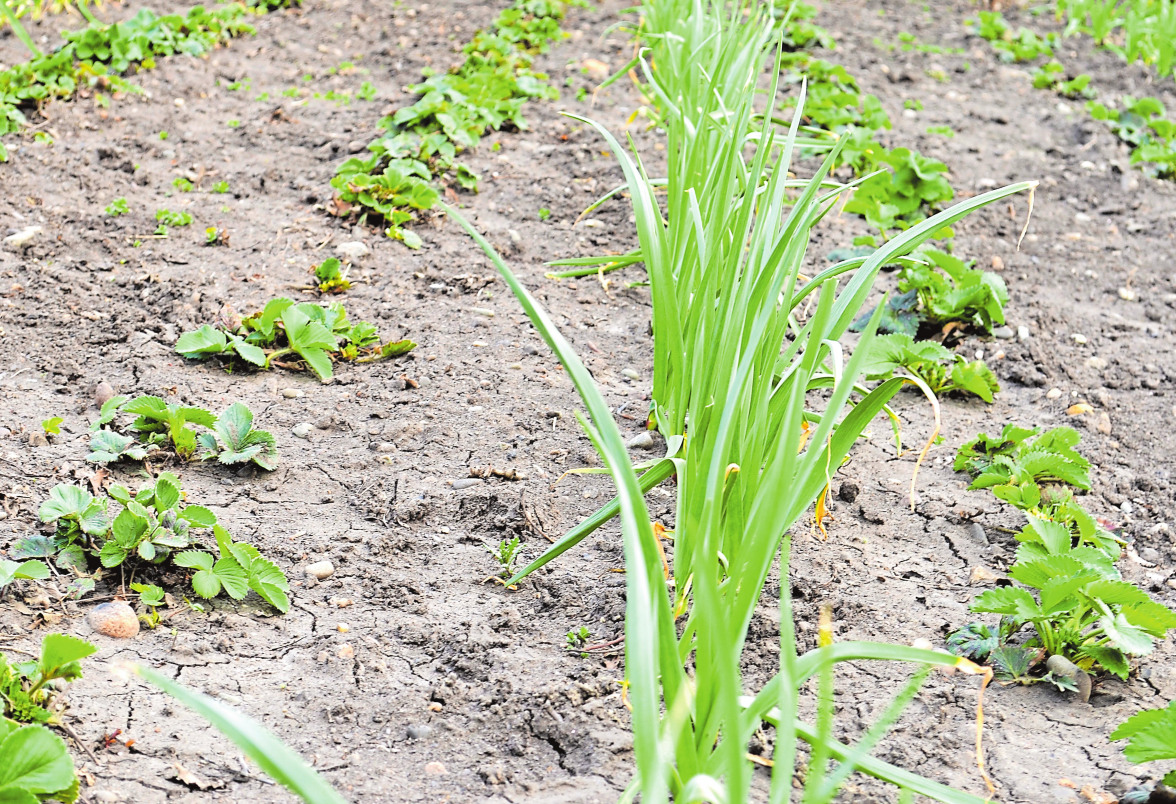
{"type": "Point", "coordinates": [444, 686]}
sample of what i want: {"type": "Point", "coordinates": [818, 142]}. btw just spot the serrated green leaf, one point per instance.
{"type": "Point", "coordinates": [1126, 637]}
{"type": "Point", "coordinates": [198, 516]}
{"type": "Point", "coordinates": [248, 352]}
{"type": "Point", "coordinates": [64, 500]}
{"type": "Point", "coordinates": [147, 406]}
{"type": "Point", "coordinates": [975, 377]}
{"type": "Point", "coordinates": [1009, 601]}
{"type": "Point", "coordinates": [200, 343]}
{"type": "Point", "coordinates": [111, 554]}
{"type": "Point", "coordinates": [36, 760]}
{"type": "Point", "coordinates": [108, 447]}
{"type": "Point", "coordinates": [149, 594]}
{"type": "Point", "coordinates": [319, 362]}
{"type": "Point", "coordinates": [108, 411]}
{"type": "Point", "coordinates": [193, 559]}
{"type": "Point", "coordinates": [167, 495]}
{"type": "Point", "coordinates": [128, 528]}
{"type": "Point", "coordinates": [58, 650]}
{"type": "Point", "coordinates": [232, 576]}
{"type": "Point", "coordinates": [206, 584]}
{"type": "Point", "coordinates": [270, 583]}
{"type": "Point", "coordinates": [1152, 734]}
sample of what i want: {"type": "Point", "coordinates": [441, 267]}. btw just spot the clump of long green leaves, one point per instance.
{"type": "Point", "coordinates": [737, 365]}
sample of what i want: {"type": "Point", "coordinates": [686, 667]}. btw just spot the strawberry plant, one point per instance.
{"type": "Point", "coordinates": [229, 438]}
{"type": "Point", "coordinates": [168, 218]}
{"type": "Point", "coordinates": [1016, 463]}
{"type": "Point", "coordinates": [28, 689]}
{"type": "Point", "coordinates": [1151, 737]}
{"type": "Point", "coordinates": [1082, 610]}
{"type": "Point", "coordinates": [284, 331]}
{"type": "Point", "coordinates": [153, 525]}
{"type": "Point", "coordinates": [893, 199]}
{"type": "Point", "coordinates": [1144, 125]}
{"type": "Point", "coordinates": [1014, 46]}
{"type": "Point", "coordinates": [939, 288]}
{"type": "Point", "coordinates": [421, 142]}
{"type": "Point", "coordinates": [942, 370]}
{"type": "Point", "coordinates": [1052, 75]}
{"type": "Point", "coordinates": [331, 276]}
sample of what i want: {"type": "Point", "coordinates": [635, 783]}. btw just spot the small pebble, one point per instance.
{"type": "Point", "coordinates": [302, 430]}
{"type": "Point", "coordinates": [1022, 333]}
{"type": "Point", "coordinates": [641, 441]}
{"type": "Point", "coordinates": [1126, 294]}
{"type": "Point", "coordinates": [631, 374]}
{"type": "Point", "coordinates": [352, 250]}
{"type": "Point", "coordinates": [976, 532]}
{"type": "Point", "coordinates": [37, 439]}
{"type": "Point", "coordinates": [345, 652]}
{"type": "Point", "coordinates": [982, 575]}
{"type": "Point", "coordinates": [1096, 363]}
{"type": "Point", "coordinates": [114, 619]}
{"type": "Point", "coordinates": [465, 483]}
{"type": "Point", "coordinates": [292, 393]}
{"type": "Point", "coordinates": [1127, 507]}
{"type": "Point", "coordinates": [1053, 393]}
{"type": "Point", "coordinates": [419, 731]}
{"type": "Point", "coordinates": [22, 238]}
{"type": "Point", "coordinates": [320, 570]}
{"type": "Point", "coordinates": [434, 769]}
{"type": "Point", "coordinates": [103, 393]}
{"type": "Point", "coordinates": [1003, 333]}
{"type": "Point", "coordinates": [1079, 338]}
{"type": "Point", "coordinates": [1103, 425]}
{"type": "Point", "coordinates": [343, 628]}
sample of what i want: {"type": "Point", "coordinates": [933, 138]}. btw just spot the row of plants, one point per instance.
{"type": "Point", "coordinates": [420, 143]}
{"type": "Point", "coordinates": [99, 55]}
{"type": "Point", "coordinates": [1136, 30]}
{"type": "Point", "coordinates": [1082, 616]}
{"type": "Point", "coordinates": [1142, 123]}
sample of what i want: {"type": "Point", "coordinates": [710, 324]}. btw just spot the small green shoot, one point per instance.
{"type": "Point", "coordinates": [117, 207]}
{"type": "Point", "coordinates": [182, 184]}
{"type": "Point", "coordinates": [52, 426]}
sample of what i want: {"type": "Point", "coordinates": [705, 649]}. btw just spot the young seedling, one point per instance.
{"type": "Point", "coordinates": [229, 438]}
{"type": "Point", "coordinates": [505, 555]}
{"type": "Point", "coordinates": [331, 276]}
{"type": "Point", "coordinates": [285, 331]}
{"type": "Point", "coordinates": [117, 207]}
{"type": "Point", "coordinates": [152, 527]}
{"type": "Point", "coordinates": [577, 640]}
{"type": "Point", "coordinates": [28, 690]}
{"type": "Point", "coordinates": [52, 425]}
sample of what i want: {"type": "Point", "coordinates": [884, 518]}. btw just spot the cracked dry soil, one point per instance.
{"type": "Point", "coordinates": [446, 687]}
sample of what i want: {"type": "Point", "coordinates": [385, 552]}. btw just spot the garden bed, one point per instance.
{"type": "Point", "coordinates": [409, 674]}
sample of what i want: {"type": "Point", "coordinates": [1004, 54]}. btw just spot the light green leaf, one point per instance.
{"type": "Point", "coordinates": [35, 759]}
{"type": "Point", "coordinates": [198, 516]}
{"type": "Point", "coordinates": [58, 650]}
{"type": "Point", "coordinates": [64, 500]}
